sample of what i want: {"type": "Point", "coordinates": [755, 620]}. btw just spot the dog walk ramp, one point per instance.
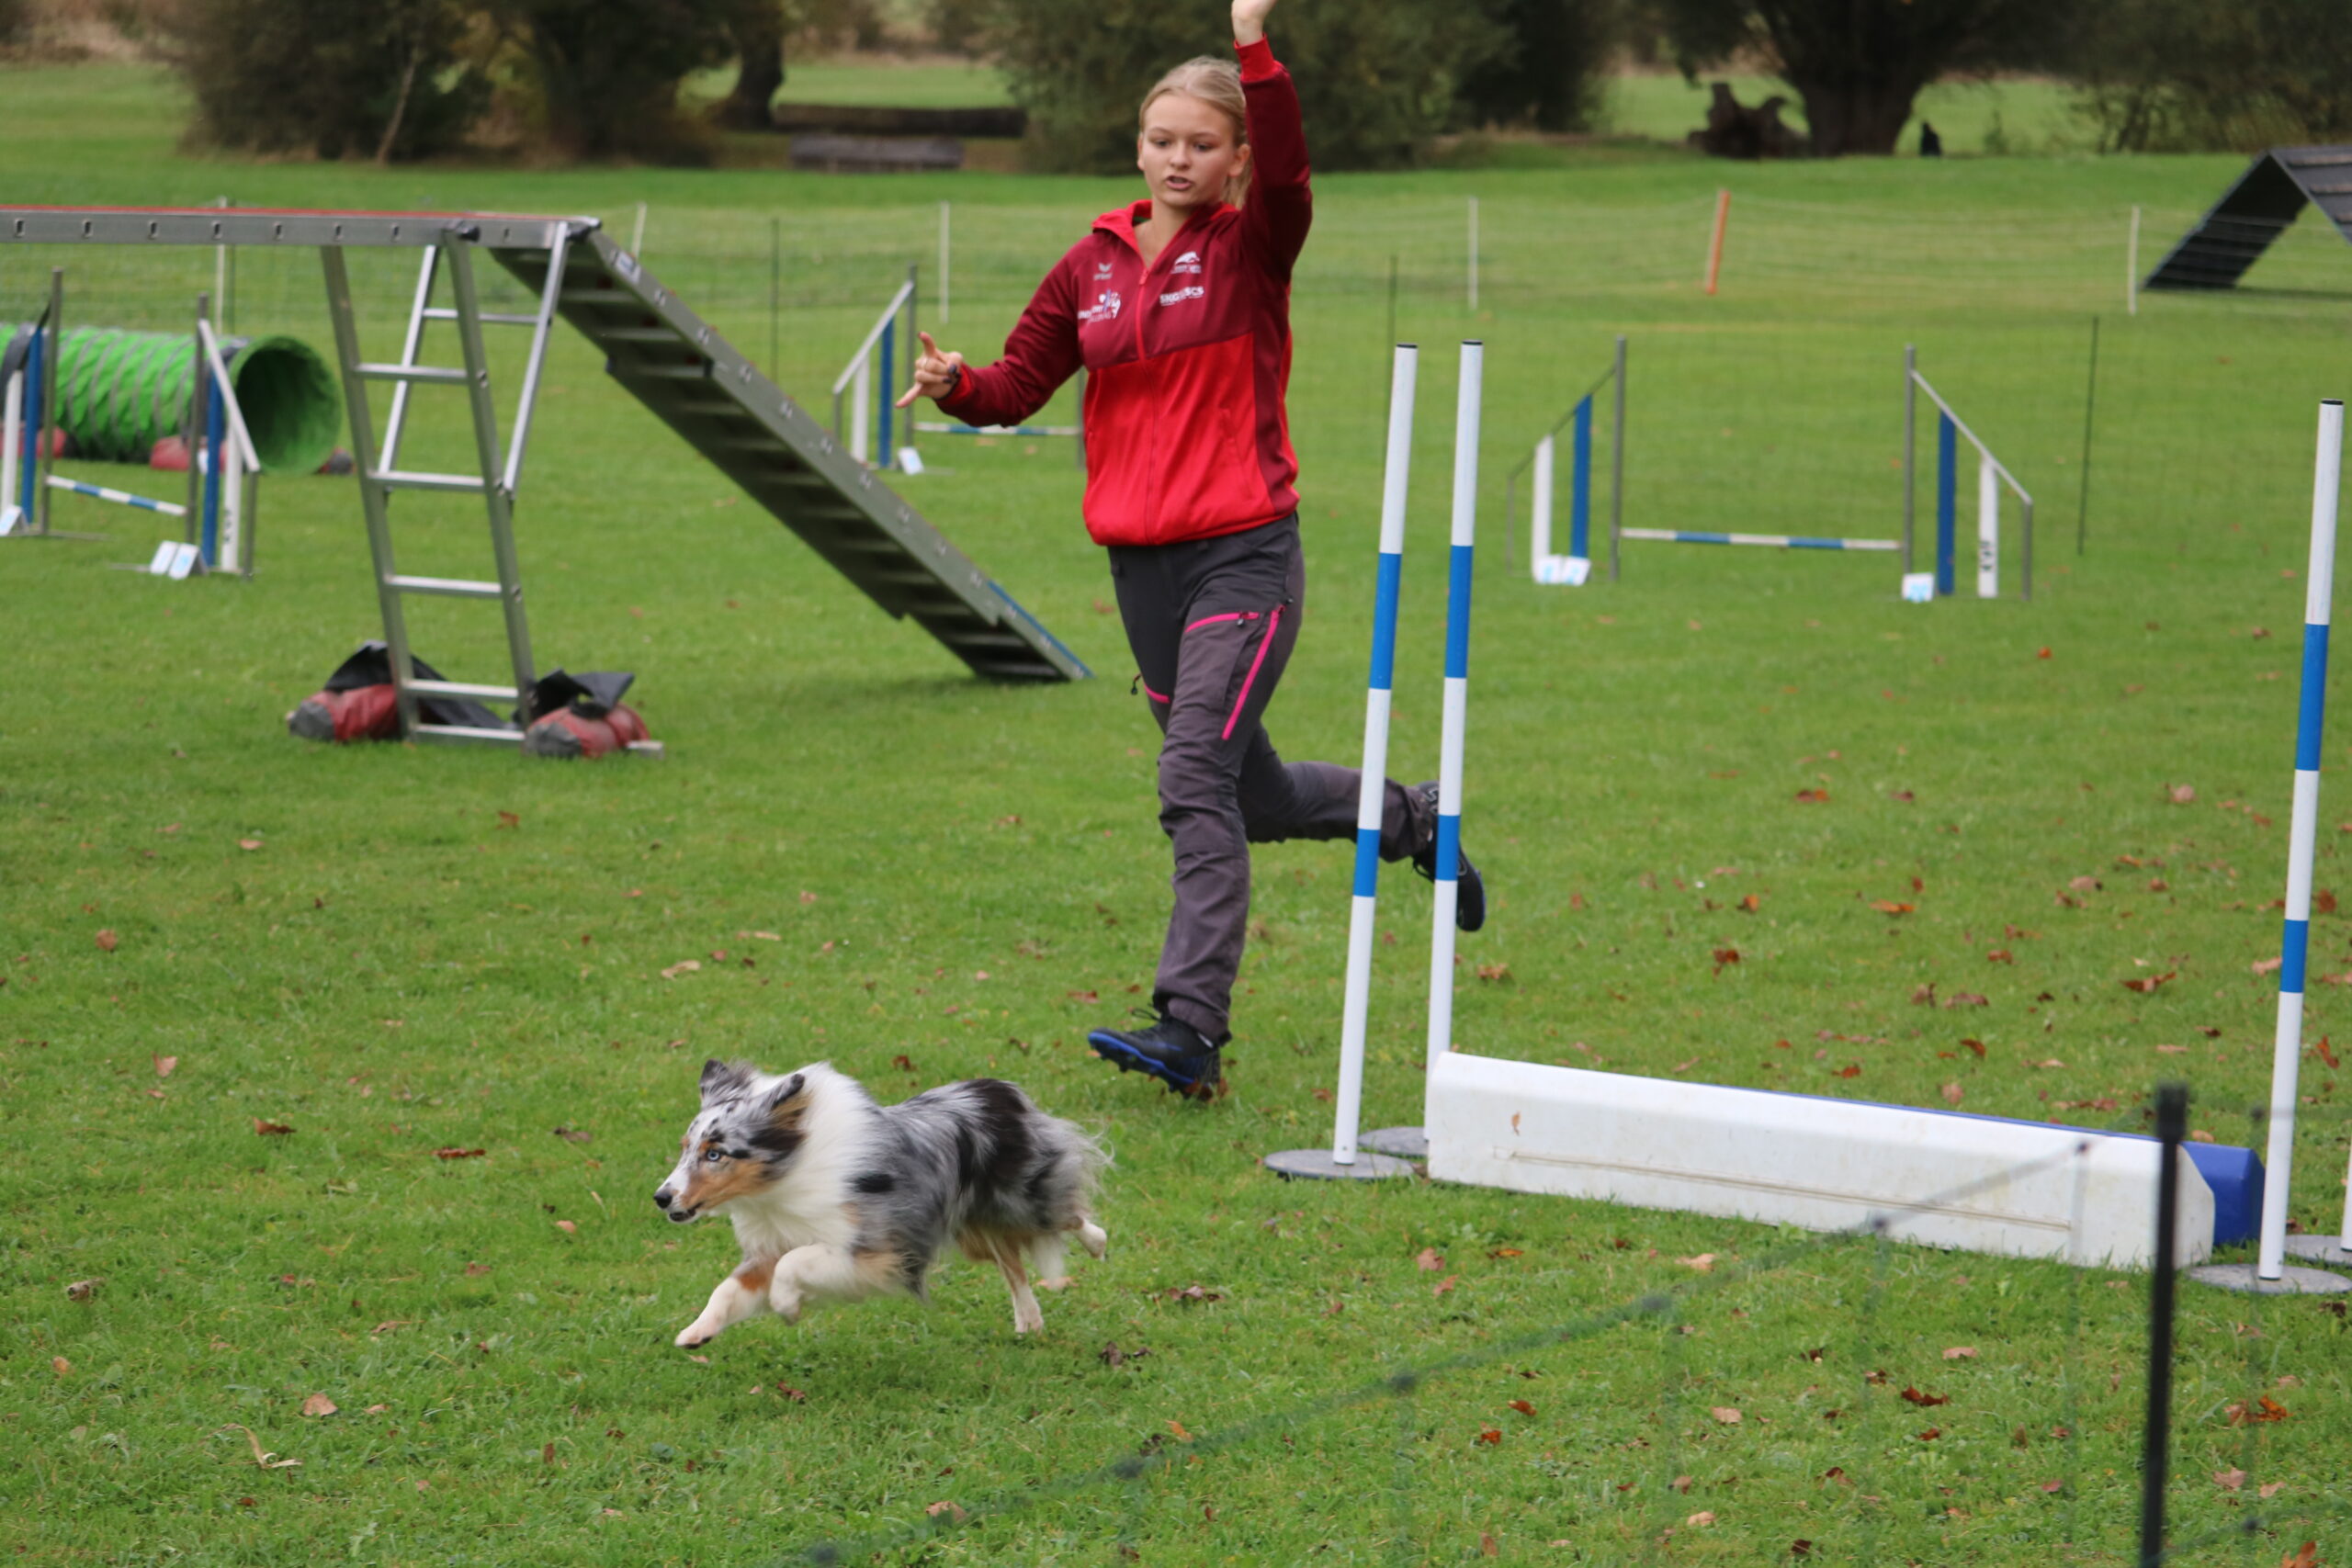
{"type": "Point", "coordinates": [666, 356]}
{"type": "Point", "coordinates": [673, 363]}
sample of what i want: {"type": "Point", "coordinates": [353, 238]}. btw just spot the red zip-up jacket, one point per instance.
{"type": "Point", "coordinates": [1187, 359]}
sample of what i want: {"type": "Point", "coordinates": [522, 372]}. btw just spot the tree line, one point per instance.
{"type": "Point", "coordinates": [1381, 79]}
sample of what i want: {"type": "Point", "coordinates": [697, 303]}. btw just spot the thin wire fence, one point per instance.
{"type": "Point", "coordinates": [1885, 1504]}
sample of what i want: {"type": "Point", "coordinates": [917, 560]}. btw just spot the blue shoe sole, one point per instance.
{"type": "Point", "coordinates": [1125, 1058]}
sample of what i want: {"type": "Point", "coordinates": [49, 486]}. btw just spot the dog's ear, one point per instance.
{"type": "Point", "coordinates": [723, 1078]}
{"type": "Point", "coordinates": [789, 1098]}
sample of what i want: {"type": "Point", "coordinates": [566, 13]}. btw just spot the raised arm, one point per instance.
{"type": "Point", "coordinates": [1281, 208]}
{"type": "Point", "coordinates": [1039, 356]}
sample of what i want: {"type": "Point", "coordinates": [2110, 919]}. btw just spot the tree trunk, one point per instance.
{"type": "Point", "coordinates": [757, 27]}
{"type": "Point", "coordinates": [1848, 115]}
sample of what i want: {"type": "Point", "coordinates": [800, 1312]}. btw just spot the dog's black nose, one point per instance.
{"type": "Point", "coordinates": [662, 1198]}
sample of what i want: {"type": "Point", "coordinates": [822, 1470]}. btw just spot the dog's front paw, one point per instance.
{"type": "Point", "coordinates": [693, 1333]}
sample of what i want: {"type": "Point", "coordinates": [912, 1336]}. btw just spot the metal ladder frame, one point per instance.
{"type": "Point", "coordinates": [496, 483]}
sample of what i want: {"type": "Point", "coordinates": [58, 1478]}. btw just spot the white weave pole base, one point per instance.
{"type": "Point", "coordinates": [2328, 1249]}
{"type": "Point", "coordinates": [1405, 1143]}
{"type": "Point", "coordinates": [2248, 1280]}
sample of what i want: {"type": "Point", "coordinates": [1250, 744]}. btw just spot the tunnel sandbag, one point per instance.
{"type": "Point", "coordinates": [119, 394]}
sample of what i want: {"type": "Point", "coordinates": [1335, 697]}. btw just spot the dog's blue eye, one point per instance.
{"type": "Point", "coordinates": [712, 1156]}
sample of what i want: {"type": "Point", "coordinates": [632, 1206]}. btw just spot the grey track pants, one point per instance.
{"type": "Point", "coordinates": [1212, 623]}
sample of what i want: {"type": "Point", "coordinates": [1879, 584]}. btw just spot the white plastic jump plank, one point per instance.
{"type": "Point", "coordinates": [1824, 1165]}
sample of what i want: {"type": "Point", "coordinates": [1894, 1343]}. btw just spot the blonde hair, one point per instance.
{"type": "Point", "coordinates": [1217, 83]}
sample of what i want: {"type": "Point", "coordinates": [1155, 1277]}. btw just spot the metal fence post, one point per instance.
{"type": "Point", "coordinates": [2171, 1126]}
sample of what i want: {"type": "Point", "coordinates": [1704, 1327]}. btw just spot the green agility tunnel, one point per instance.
{"type": "Point", "coordinates": [121, 392]}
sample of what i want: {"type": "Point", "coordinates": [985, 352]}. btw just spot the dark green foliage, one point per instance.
{"type": "Point", "coordinates": [756, 28]}
{"type": "Point", "coordinates": [15, 19]}
{"type": "Point", "coordinates": [1376, 78]}
{"type": "Point", "coordinates": [607, 70]}
{"type": "Point", "coordinates": [2184, 76]}
{"type": "Point", "coordinates": [1857, 64]}
{"type": "Point", "coordinates": [326, 76]}
{"type": "Point", "coordinates": [1547, 74]}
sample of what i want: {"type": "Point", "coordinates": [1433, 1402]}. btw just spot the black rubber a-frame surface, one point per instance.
{"type": "Point", "coordinates": [2268, 196]}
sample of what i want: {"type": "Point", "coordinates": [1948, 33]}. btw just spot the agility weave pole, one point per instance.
{"type": "Point", "coordinates": [1345, 1159]}
{"type": "Point", "coordinates": [1457, 702]}
{"type": "Point", "coordinates": [2270, 1274]}
{"type": "Point", "coordinates": [1374, 1158]}
{"type": "Point", "coordinates": [1573, 569]}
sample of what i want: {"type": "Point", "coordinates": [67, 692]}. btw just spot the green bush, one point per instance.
{"type": "Point", "coordinates": [325, 76]}
{"type": "Point", "coordinates": [1376, 78]}
{"type": "Point", "coordinates": [1547, 76]}
{"type": "Point", "coordinates": [606, 72]}
{"type": "Point", "coordinates": [2183, 75]}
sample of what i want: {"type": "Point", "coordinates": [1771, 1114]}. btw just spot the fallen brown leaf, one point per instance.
{"type": "Point", "coordinates": [455, 1153]}
{"type": "Point", "coordinates": [1913, 1396]}
{"type": "Point", "coordinates": [1726, 1414]}
{"type": "Point", "coordinates": [2229, 1480]}
{"type": "Point", "coordinates": [1428, 1260]}
{"type": "Point", "coordinates": [271, 1129]}
{"type": "Point", "coordinates": [262, 1459]}
{"type": "Point", "coordinates": [318, 1405]}
{"type": "Point", "coordinates": [1490, 1436]}
{"type": "Point", "coordinates": [107, 942]}
{"type": "Point", "coordinates": [942, 1507]}
{"type": "Point", "coordinates": [1961, 1353]}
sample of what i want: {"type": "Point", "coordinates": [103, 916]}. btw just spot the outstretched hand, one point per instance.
{"type": "Point", "coordinates": [1249, 19]}
{"type": "Point", "coordinates": [936, 373]}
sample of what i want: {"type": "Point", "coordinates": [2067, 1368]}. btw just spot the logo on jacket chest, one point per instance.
{"type": "Point", "coordinates": [1104, 308]}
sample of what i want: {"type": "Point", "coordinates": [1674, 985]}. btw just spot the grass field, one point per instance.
{"type": "Point", "coordinates": [397, 951]}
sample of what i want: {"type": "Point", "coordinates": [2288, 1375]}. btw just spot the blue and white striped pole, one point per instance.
{"type": "Point", "coordinates": [119, 497]}
{"type": "Point", "coordinates": [1457, 702]}
{"type": "Point", "coordinates": [2286, 1057]}
{"type": "Point", "coordinates": [1371, 800]}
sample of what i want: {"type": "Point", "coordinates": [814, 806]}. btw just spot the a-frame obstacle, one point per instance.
{"type": "Point", "coordinates": [2256, 211]}
{"type": "Point", "coordinates": [666, 357]}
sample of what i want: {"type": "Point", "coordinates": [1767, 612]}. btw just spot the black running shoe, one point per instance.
{"type": "Point", "coordinates": [1470, 890]}
{"type": "Point", "coordinates": [1168, 1049]}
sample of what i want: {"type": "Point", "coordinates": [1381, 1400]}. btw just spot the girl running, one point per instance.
{"type": "Point", "coordinates": [1178, 306]}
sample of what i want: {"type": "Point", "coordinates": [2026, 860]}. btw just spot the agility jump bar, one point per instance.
{"type": "Point", "coordinates": [1769, 541]}
{"type": "Point", "coordinates": [119, 497]}
{"type": "Point", "coordinates": [942, 428]}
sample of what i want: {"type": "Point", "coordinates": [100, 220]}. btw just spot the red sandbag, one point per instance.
{"type": "Point", "coordinates": [170, 455]}
{"type": "Point", "coordinates": [567, 734]}
{"type": "Point", "coordinates": [362, 713]}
